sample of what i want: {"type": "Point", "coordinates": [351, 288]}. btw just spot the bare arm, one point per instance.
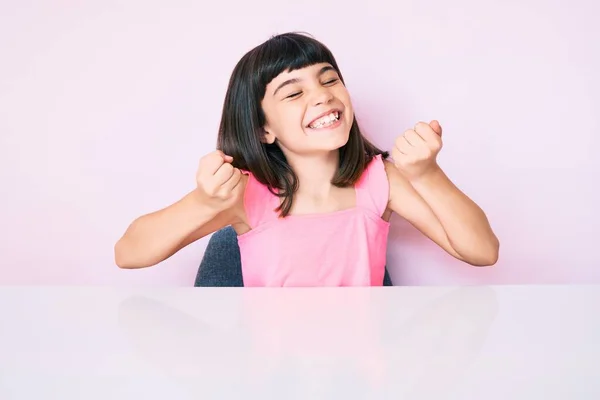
{"type": "Point", "coordinates": [423, 194]}
{"type": "Point", "coordinates": [216, 202]}
{"type": "Point", "coordinates": [154, 237]}
{"type": "Point", "coordinates": [445, 215]}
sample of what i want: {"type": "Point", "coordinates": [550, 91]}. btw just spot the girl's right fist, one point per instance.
{"type": "Point", "coordinates": [218, 182]}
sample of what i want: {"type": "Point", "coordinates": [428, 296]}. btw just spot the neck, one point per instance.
{"type": "Point", "coordinates": [315, 172]}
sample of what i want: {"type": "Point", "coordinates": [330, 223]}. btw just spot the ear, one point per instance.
{"type": "Point", "coordinates": [267, 135]}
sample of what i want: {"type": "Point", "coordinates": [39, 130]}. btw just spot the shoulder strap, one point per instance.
{"type": "Point", "coordinates": [373, 188]}
{"type": "Point", "coordinates": [259, 202]}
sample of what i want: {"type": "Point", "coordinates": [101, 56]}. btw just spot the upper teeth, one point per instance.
{"type": "Point", "coordinates": [326, 120]}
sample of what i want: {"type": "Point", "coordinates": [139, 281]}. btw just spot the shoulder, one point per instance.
{"type": "Point", "coordinates": [375, 168]}
{"type": "Point", "coordinates": [254, 190]}
{"type": "Point", "coordinates": [256, 202]}
{"type": "Point", "coordinates": [400, 187]}
{"type": "Point", "coordinates": [383, 171]}
{"type": "Point", "coordinates": [391, 171]}
{"type": "Point", "coordinates": [373, 186]}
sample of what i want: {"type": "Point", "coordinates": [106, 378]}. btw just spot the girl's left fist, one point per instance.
{"type": "Point", "coordinates": [415, 151]}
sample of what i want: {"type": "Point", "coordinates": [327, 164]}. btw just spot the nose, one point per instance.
{"type": "Point", "coordinates": [322, 96]}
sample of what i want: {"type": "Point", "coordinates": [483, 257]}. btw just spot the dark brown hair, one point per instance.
{"type": "Point", "coordinates": [240, 131]}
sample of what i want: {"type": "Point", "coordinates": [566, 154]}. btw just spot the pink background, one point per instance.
{"type": "Point", "coordinates": [106, 108]}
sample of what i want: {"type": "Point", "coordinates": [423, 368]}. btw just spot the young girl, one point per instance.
{"type": "Point", "coordinates": [308, 195]}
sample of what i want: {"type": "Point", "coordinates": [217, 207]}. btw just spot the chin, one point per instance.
{"type": "Point", "coordinates": [335, 143]}
{"type": "Point", "coordinates": [343, 140]}
{"type": "Point", "coordinates": [326, 146]}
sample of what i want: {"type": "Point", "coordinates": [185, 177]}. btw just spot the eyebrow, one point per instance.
{"type": "Point", "coordinates": [296, 80]}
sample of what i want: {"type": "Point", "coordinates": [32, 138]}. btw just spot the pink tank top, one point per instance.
{"type": "Point", "coordinates": [342, 248]}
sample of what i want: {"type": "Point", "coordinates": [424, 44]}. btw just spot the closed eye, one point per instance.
{"type": "Point", "coordinates": [329, 82]}
{"type": "Point", "coordinates": [291, 96]}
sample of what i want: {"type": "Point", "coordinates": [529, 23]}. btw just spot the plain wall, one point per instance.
{"type": "Point", "coordinates": [106, 108]}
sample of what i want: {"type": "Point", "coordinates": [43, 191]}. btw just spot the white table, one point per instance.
{"type": "Point", "coordinates": [502, 342]}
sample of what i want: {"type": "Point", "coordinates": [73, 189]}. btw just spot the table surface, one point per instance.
{"type": "Point", "coordinates": [498, 342]}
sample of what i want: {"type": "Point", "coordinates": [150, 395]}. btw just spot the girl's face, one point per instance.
{"type": "Point", "coordinates": [308, 110]}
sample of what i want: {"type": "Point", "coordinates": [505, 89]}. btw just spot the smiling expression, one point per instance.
{"type": "Point", "coordinates": [308, 110]}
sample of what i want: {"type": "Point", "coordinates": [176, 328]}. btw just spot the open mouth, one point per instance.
{"type": "Point", "coordinates": [326, 120]}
